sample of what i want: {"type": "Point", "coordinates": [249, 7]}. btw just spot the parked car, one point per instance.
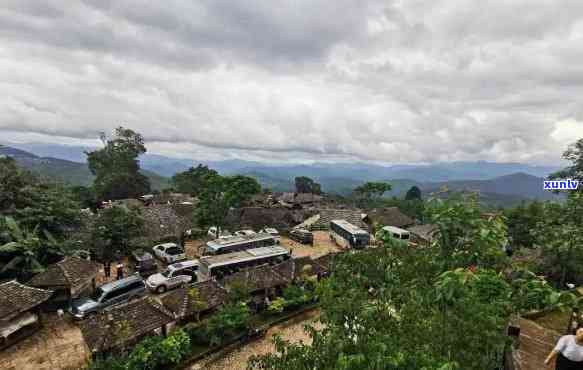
{"type": "Point", "coordinates": [273, 232]}
{"type": "Point", "coordinates": [302, 236]}
{"type": "Point", "coordinates": [110, 294]}
{"type": "Point", "coordinates": [245, 232]}
{"type": "Point", "coordinates": [213, 233]}
{"type": "Point", "coordinates": [145, 264]}
{"type": "Point", "coordinates": [177, 274]}
{"type": "Point", "coordinates": [169, 252]}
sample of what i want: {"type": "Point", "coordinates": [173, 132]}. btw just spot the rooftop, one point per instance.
{"type": "Point", "coordinates": [16, 298]}
{"type": "Point", "coordinates": [179, 301]}
{"type": "Point", "coordinates": [72, 272]}
{"type": "Point", "coordinates": [390, 216]}
{"type": "Point", "coordinates": [142, 317]}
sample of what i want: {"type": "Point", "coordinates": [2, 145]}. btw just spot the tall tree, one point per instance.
{"type": "Point", "coordinates": [15, 186]}
{"type": "Point", "coordinates": [113, 231]}
{"type": "Point", "coordinates": [573, 154]}
{"type": "Point", "coordinates": [193, 180]}
{"type": "Point", "coordinates": [414, 193]}
{"type": "Point", "coordinates": [561, 237]}
{"type": "Point", "coordinates": [370, 192]}
{"type": "Point", "coordinates": [307, 185]}
{"type": "Point", "coordinates": [116, 167]}
{"type": "Point", "coordinates": [221, 194]}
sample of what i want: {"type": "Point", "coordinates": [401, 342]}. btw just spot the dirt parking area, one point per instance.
{"type": "Point", "coordinates": [58, 345]}
{"type": "Point", "coordinates": [322, 246]}
{"type": "Point", "coordinates": [292, 331]}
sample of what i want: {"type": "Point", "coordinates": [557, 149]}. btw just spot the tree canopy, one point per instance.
{"type": "Point", "coordinates": [307, 185]}
{"type": "Point", "coordinates": [116, 166]}
{"type": "Point", "coordinates": [194, 180]}
{"type": "Point", "coordinates": [414, 193]}
{"type": "Point", "coordinates": [370, 192]}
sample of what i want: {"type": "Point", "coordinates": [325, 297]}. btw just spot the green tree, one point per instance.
{"type": "Point", "coordinates": [573, 154]}
{"type": "Point", "coordinates": [561, 237]}
{"type": "Point", "coordinates": [307, 185]}
{"type": "Point", "coordinates": [113, 231]}
{"type": "Point", "coordinates": [33, 202]}
{"type": "Point", "coordinates": [193, 180]}
{"type": "Point", "coordinates": [228, 321]}
{"type": "Point", "coordinates": [116, 167]}
{"type": "Point", "coordinates": [369, 193]}
{"type": "Point", "coordinates": [23, 254]}
{"type": "Point", "coordinates": [521, 221]}
{"type": "Point", "coordinates": [464, 238]}
{"type": "Point", "coordinates": [220, 195]}
{"type": "Point", "coordinates": [414, 193]}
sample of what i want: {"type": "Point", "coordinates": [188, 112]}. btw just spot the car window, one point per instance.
{"type": "Point", "coordinates": [173, 251]}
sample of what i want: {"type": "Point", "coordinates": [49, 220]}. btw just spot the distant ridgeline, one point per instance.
{"type": "Point", "coordinates": [499, 184]}
{"type": "Point", "coordinates": [73, 173]}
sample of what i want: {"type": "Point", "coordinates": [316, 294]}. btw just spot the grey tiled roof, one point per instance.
{"type": "Point", "coordinates": [390, 216]}
{"type": "Point", "coordinates": [180, 304]}
{"type": "Point", "coordinates": [16, 298]}
{"type": "Point", "coordinates": [142, 317]}
{"type": "Point", "coordinates": [259, 278]}
{"type": "Point", "coordinates": [71, 272]}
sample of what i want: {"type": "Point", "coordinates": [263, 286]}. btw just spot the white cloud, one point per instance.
{"type": "Point", "coordinates": [397, 81]}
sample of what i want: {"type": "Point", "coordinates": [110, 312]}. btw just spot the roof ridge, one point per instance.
{"type": "Point", "coordinates": [158, 306]}
{"type": "Point", "coordinates": [65, 272]}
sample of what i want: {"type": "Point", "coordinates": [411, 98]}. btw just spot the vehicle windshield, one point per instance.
{"type": "Point", "coordinates": [166, 273]}
{"type": "Point", "coordinates": [173, 251]}
{"type": "Point", "coordinates": [97, 294]}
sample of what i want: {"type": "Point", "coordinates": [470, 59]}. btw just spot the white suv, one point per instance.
{"type": "Point", "coordinates": [169, 252]}
{"type": "Point", "coordinates": [178, 274]}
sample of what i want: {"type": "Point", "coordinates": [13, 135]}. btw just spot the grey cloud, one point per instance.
{"type": "Point", "coordinates": [394, 81]}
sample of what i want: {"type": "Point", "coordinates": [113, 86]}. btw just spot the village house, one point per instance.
{"type": "Point", "coordinates": [259, 217]}
{"type": "Point", "coordinates": [308, 267]}
{"type": "Point", "coordinates": [299, 200]}
{"type": "Point", "coordinates": [19, 311]}
{"type": "Point", "coordinates": [263, 282]}
{"type": "Point", "coordinates": [124, 325]}
{"type": "Point", "coordinates": [165, 222]}
{"type": "Point", "coordinates": [69, 278]}
{"type": "Point", "coordinates": [322, 217]}
{"type": "Point", "coordinates": [180, 301]}
{"type": "Point", "coordinates": [389, 216]}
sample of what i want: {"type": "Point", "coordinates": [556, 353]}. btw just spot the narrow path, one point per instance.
{"type": "Point", "coordinates": [292, 331]}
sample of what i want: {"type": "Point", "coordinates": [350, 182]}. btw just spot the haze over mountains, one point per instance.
{"type": "Point", "coordinates": [503, 182]}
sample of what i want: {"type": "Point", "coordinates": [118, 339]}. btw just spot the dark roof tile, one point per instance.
{"type": "Point", "coordinates": [16, 298]}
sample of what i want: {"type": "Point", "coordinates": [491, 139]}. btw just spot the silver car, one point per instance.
{"type": "Point", "coordinates": [110, 294]}
{"type": "Point", "coordinates": [169, 252]}
{"type": "Point", "coordinates": [178, 274]}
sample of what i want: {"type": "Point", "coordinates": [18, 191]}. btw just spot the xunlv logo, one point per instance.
{"type": "Point", "coordinates": [561, 184]}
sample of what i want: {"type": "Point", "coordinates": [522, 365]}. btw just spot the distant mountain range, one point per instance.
{"type": "Point", "coordinates": [503, 183]}
{"type": "Point", "coordinates": [73, 173]}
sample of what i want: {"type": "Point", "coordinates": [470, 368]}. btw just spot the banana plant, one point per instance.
{"type": "Point", "coordinates": [24, 249]}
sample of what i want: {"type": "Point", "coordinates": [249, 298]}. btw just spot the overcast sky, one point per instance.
{"type": "Point", "coordinates": [392, 81]}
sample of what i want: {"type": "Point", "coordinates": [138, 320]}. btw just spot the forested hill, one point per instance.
{"type": "Point", "coordinates": [73, 173]}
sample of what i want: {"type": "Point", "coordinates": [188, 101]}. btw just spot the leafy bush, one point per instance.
{"type": "Point", "coordinates": [277, 306]}
{"type": "Point", "coordinates": [230, 319]}
{"type": "Point", "coordinates": [296, 296]}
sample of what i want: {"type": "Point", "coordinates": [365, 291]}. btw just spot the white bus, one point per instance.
{"type": "Point", "coordinates": [347, 235]}
{"type": "Point", "coordinates": [396, 232]}
{"type": "Point", "coordinates": [227, 264]}
{"type": "Point", "coordinates": [239, 243]}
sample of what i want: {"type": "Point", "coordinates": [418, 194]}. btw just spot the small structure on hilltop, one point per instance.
{"type": "Point", "coordinates": [19, 311]}
{"type": "Point", "coordinates": [68, 278]}
{"type": "Point", "coordinates": [120, 326]}
{"type": "Point", "coordinates": [389, 216]}
{"type": "Point", "coordinates": [181, 302]}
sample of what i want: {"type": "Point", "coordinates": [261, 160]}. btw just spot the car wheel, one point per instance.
{"type": "Point", "coordinates": [161, 289]}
